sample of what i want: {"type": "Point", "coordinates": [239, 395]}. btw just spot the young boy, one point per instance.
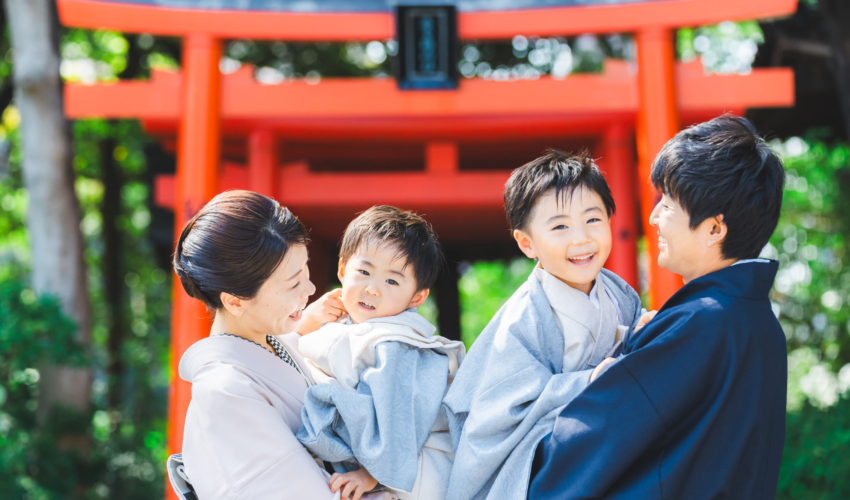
{"type": "Point", "coordinates": [381, 371]}
{"type": "Point", "coordinates": [541, 348]}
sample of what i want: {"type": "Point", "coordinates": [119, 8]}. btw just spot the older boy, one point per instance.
{"type": "Point", "coordinates": [696, 408]}
{"type": "Point", "coordinates": [540, 349]}
{"type": "Point", "coordinates": [382, 373]}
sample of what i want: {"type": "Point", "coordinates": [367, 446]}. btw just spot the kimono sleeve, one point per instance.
{"type": "Point", "coordinates": [235, 434]}
{"type": "Point", "coordinates": [384, 423]}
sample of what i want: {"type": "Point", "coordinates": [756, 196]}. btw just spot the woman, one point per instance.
{"type": "Point", "coordinates": [245, 257]}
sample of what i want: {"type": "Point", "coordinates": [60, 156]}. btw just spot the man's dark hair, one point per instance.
{"type": "Point", "coordinates": [723, 167]}
{"type": "Point", "coordinates": [554, 170]}
{"type": "Point", "coordinates": [413, 237]}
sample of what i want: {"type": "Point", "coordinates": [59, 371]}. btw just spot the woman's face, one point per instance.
{"type": "Point", "coordinates": [278, 305]}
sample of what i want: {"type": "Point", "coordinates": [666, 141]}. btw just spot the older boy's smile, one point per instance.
{"type": "Point", "coordinates": [582, 260]}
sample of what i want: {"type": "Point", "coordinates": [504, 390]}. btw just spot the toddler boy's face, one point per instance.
{"type": "Point", "coordinates": [377, 284]}
{"type": "Point", "coordinates": [571, 238]}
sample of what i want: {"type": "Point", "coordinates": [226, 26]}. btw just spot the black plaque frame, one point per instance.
{"type": "Point", "coordinates": [410, 73]}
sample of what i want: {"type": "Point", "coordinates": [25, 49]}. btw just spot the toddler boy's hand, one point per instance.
{"type": "Point", "coordinates": [646, 318]}
{"type": "Point", "coordinates": [354, 483]}
{"type": "Point", "coordinates": [326, 309]}
{"type": "Point", "coordinates": [602, 367]}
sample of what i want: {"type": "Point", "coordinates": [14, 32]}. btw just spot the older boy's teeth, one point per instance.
{"type": "Point", "coordinates": [581, 259]}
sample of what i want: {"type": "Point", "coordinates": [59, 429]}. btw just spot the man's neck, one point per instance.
{"type": "Point", "coordinates": [712, 266]}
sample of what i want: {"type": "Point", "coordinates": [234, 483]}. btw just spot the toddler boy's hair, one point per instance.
{"type": "Point", "coordinates": [554, 170]}
{"type": "Point", "coordinates": [409, 233]}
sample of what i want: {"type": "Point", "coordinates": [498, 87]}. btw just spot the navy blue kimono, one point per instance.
{"type": "Point", "coordinates": [695, 410]}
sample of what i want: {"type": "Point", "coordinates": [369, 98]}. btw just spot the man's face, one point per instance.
{"type": "Point", "coordinates": [571, 238]}
{"type": "Point", "coordinates": [376, 283]}
{"type": "Point", "coordinates": [681, 249]}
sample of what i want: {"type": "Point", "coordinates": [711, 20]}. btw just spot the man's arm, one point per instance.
{"type": "Point", "coordinates": [597, 438]}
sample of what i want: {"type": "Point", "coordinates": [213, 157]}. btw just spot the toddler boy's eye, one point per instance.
{"type": "Point", "coordinates": [559, 226]}
{"type": "Point", "coordinates": [392, 282]}
{"type": "Point", "coordinates": [363, 272]}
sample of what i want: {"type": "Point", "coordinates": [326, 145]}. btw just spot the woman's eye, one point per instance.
{"type": "Point", "coordinates": [363, 272]}
{"type": "Point", "coordinates": [296, 285]}
{"type": "Point", "coordinates": [392, 282]}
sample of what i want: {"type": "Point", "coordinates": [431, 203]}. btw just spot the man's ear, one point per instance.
{"type": "Point", "coordinates": [418, 298]}
{"type": "Point", "coordinates": [340, 272]}
{"type": "Point", "coordinates": [524, 243]}
{"type": "Point", "coordinates": [234, 305]}
{"type": "Point", "coordinates": [718, 230]}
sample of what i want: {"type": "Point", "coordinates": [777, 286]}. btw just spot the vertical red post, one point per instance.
{"type": "Point", "coordinates": [262, 162]}
{"type": "Point", "coordinates": [197, 182]}
{"type": "Point", "coordinates": [658, 122]}
{"type": "Point", "coordinates": [617, 162]}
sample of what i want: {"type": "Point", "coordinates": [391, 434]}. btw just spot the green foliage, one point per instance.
{"type": "Point", "coordinates": [34, 333]}
{"type": "Point", "coordinates": [484, 287]}
{"type": "Point", "coordinates": [729, 47]}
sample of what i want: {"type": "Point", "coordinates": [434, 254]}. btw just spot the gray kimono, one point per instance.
{"type": "Point", "coordinates": [506, 395]}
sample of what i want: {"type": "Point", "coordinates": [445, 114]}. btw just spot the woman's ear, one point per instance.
{"type": "Point", "coordinates": [233, 304]}
{"type": "Point", "coordinates": [340, 272]}
{"type": "Point", "coordinates": [524, 243]}
{"type": "Point", "coordinates": [418, 298]}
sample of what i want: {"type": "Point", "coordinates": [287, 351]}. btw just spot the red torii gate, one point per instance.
{"type": "Point", "coordinates": [198, 106]}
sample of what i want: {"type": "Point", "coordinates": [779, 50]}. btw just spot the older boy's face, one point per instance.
{"type": "Point", "coordinates": [571, 238]}
{"type": "Point", "coordinates": [377, 284]}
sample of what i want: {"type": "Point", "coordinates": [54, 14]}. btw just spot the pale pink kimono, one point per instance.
{"type": "Point", "coordinates": [239, 438]}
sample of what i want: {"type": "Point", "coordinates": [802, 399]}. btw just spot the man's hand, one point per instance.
{"type": "Point", "coordinates": [602, 366]}
{"type": "Point", "coordinates": [326, 309]}
{"type": "Point", "coordinates": [646, 318]}
{"type": "Point", "coordinates": [353, 483]}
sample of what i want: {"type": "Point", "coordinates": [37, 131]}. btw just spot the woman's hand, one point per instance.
{"type": "Point", "coordinates": [354, 483]}
{"type": "Point", "coordinates": [326, 309]}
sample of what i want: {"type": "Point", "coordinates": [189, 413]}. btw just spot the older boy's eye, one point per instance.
{"type": "Point", "coordinates": [594, 220]}
{"type": "Point", "coordinates": [392, 282]}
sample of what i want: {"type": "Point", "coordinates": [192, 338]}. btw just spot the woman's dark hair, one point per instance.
{"type": "Point", "coordinates": [233, 245]}
{"type": "Point", "coordinates": [554, 170]}
{"type": "Point", "coordinates": [410, 233]}
{"type": "Point", "coordinates": [723, 167]}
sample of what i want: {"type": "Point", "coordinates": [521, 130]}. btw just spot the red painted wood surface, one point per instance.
{"type": "Point", "coordinates": [197, 183]}
{"type": "Point", "coordinates": [366, 107]}
{"type": "Point", "coordinates": [658, 122]}
{"type": "Point", "coordinates": [616, 159]}
{"type": "Point", "coordinates": [502, 24]}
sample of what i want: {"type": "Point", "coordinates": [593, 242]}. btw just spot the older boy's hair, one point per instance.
{"type": "Point", "coordinates": [554, 170]}
{"type": "Point", "coordinates": [723, 167]}
{"type": "Point", "coordinates": [414, 238]}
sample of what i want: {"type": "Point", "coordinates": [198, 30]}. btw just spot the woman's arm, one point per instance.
{"type": "Point", "coordinates": [238, 441]}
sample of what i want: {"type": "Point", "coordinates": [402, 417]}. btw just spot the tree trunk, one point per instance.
{"type": "Point", "coordinates": [53, 216]}
{"type": "Point", "coordinates": [113, 284]}
{"type": "Point", "coordinates": [836, 17]}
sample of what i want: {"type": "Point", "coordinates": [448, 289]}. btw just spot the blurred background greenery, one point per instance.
{"type": "Point", "coordinates": [129, 278]}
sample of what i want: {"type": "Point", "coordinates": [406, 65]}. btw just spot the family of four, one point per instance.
{"type": "Point", "coordinates": [572, 391]}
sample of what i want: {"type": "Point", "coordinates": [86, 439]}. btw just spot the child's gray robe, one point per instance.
{"type": "Point", "coordinates": [510, 388]}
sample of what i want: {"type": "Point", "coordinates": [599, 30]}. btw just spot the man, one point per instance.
{"type": "Point", "coordinates": [696, 407]}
